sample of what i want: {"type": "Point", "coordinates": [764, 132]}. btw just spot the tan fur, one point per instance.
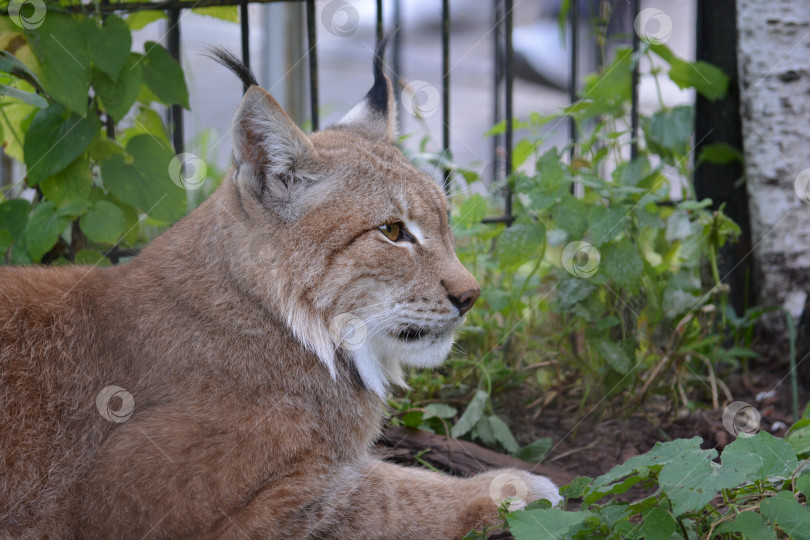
{"type": "Point", "coordinates": [251, 419]}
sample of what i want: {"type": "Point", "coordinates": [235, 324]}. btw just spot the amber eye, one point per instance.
{"type": "Point", "coordinates": [396, 232]}
{"type": "Point", "coordinates": [393, 231]}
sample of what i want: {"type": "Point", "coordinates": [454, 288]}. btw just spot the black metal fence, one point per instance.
{"type": "Point", "coordinates": [503, 73]}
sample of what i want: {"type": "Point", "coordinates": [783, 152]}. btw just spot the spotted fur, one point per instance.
{"type": "Point", "coordinates": [252, 417]}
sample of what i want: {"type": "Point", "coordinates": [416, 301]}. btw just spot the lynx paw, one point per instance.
{"type": "Point", "coordinates": [520, 488]}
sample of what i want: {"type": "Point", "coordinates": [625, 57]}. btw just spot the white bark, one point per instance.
{"type": "Point", "coordinates": [774, 69]}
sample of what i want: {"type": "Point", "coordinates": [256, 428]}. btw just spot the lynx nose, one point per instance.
{"type": "Point", "coordinates": [465, 301]}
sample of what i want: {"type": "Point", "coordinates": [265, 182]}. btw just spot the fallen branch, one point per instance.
{"type": "Point", "coordinates": [462, 458]}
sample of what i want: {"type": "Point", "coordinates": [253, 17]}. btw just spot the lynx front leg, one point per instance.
{"type": "Point", "coordinates": [377, 500]}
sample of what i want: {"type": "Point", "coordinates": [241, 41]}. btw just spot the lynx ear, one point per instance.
{"type": "Point", "coordinates": [273, 157]}
{"type": "Point", "coordinates": [375, 116]}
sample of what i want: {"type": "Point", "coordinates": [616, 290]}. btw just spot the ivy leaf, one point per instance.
{"type": "Point", "coordinates": [520, 243]}
{"type": "Point", "coordinates": [535, 452]}
{"type": "Point", "coordinates": [109, 45]}
{"type": "Point", "coordinates": [117, 96]}
{"type": "Point", "coordinates": [61, 47]}
{"type": "Point", "coordinates": [164, 76]}
{"type": "Point", "coordinates": [145, 183]}
{"type": "Point", "coordinates": [103, 223]}
{"type": "Point", "coordinates": [43, 229]}
{"type": "Point", "coordinates": [54, 140]}
{"type": "Point", "coordinates": [751, 524]}
{"type": "Point", "coordinates": [792, 517]}
{"type": "Point", "coordinates": [471, 415]}
{"type": "Point", "coordinates": [71, 184]}
{"type": "Point", "coordinates": [5, 241]}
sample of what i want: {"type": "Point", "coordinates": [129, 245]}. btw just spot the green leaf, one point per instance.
{"type": "Point", "coordinates": [164, 76]}
{"type": "Point", "coordinates": [14, 216]}
{"type": "Point", "coordinates": [471, 415]}
{"type": "Point", "coordinates": [471, 211]}
{"type": "Point", "coordinates": [73, 209]}
{"type": "Point", "coordinates": [792, 517]}
{"type": "Point", "coordinates": [43, 229]}
{"type": "Point", "coordinates": [31, 98]}
{"type": "Point", "coordinates": [226, 13]}
{"type": "Point", "coordinates": [571, 215]}
{"type": "Point", "coordinates": [669, 132]}
{"type": "Point", "coordinates": [412, 419]}
{"type": "Point", "coordinates": [54, 140]}
{"type": "Point", "coordinates": [615, 355]}
{"type": "Point", "coordinates": [117, 97]}
{"type": "Point", "coordinates": [680, 227]}
{"type": "Point", "coordinates": [621, 262]}
{"type": "Point", "coordinates": [91, 257]}
{"type": "Point", "coordinates": [659, 524]}
{"type": "Point", "coordinates": [707, 79]}
{"type": "Point", "coordinates": [103, 223]}
{"type": "Point", "coordinates": [609, 92]}
{"type": "Point", "coordinates": [441, 410]}
{"type": "Point", "coordinates": [544, 524]}
{"type": "Point", "coordinates": [576, 489]}
{"type": "Point", "coordinates": [660, 454]}
{"type": "Point", "coordinates": [521, 243]}
{"type": "Point", "coordinates": [145, 183]}
{"type": "Point", "coordinates": [12, 65]}
{"type": "Point", "coordinates": [71, 184]}
{"type": "Point", "coordinates": [523, 149]}
{"type": "Point", "coordinates": [503, 434]}
{"type": "Point", "coordinates": [751, 524]}
{"type": "Point", "coordinates": [5, 241]}
{"type": "Point", "coordinates": [719, 153]}
{"type": "Point", "coordinates": [535, 452]}
{"type": "Point", "coordinates": [799, 440]}
{"type": "Point", "coordinates": [604, 224]}
{"type": "Point", "coordinates": [109, 45]}
{"type": "Point", "coordinates": [61, 47]}
{"type": "Point", "coordinates": [687, 480]}
{"type": "Point", "coordinates": [774, 457]}
{"type": "Point", "coordinates": [139, 19]}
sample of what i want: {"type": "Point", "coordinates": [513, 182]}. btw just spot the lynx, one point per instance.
{"type": "Point", "coordinates": [229, 381]}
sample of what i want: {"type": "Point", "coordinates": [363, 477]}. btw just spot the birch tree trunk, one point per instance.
{"type": "Point", "coordinates": [774, 70]}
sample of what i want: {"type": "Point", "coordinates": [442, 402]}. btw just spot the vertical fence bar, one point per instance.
{"type": "Point", "coordinates": [379, 20]}
{"type": "Point", "coordinates": [176, 111]}
{"type": "Point", "coordinates": [313, 63]}
{"type": "Point", "coordinates": [244, 24]}
{"type": "Point", "coordinates": [396, 53]}
{"type": "Point", "coordinates": [572, 76]}
{"type": "Point", "coordinates": [446, 89]}
{"type": "Point", "coordinates": [497, 34]}
{"type": "Point", "coordinates": [509, 74]}
{"type": "Point", "coordinates": [634, 83]}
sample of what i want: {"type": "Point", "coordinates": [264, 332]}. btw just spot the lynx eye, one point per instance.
{"type": "Point", "coordinates": [396, 232]}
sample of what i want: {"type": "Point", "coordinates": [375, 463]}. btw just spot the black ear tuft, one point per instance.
{"type": "Point", "coordinates": [231, 62]}
{"type": "Point", "coordinates": [377, 97]}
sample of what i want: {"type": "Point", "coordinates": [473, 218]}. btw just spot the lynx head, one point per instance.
{"type": "Point", "coordinates": [343, 239]}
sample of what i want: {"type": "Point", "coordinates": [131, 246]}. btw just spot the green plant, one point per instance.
{"type": "Point", "coordinates": [758, 490]}
{"type": "Point", "coordinates": [78, 109]}
{"type": "Point", "coordinates": [605, 287]}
